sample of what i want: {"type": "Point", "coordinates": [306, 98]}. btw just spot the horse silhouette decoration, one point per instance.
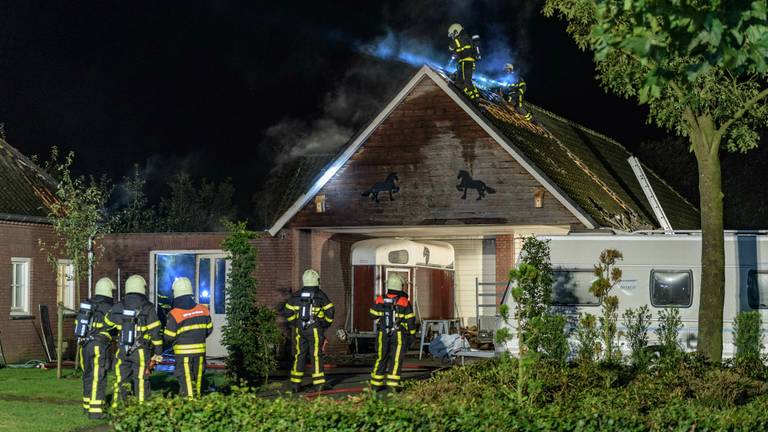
{"type": "Point", "coordinates": [467, 182]}
{"type": "Point", "coordinates": [388, 185]}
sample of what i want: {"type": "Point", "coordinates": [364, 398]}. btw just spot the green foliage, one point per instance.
{"type": "Point", "coordinates": [587, 340]}
{"type": "Point", "coordinates": [251, 334]}
{"type": "Point", "coordinates": [137, 216]}
{"type": "Point", "coordinates": [668, 331]}
{"type": "Point", "coordinates": [748, 340]}
{"type": "Point", "coordinates": [533, 281]}
{"type": "Point", "coordinates": [549, 339]}
{"type": "Point", "coordinates": [608, 276]}
{"type": "Point", "coordinates": [637, 321]}
{"type": "Point", "coordinates": [77, 215]}
{"type": "Point", "coordinates": [192, 206]}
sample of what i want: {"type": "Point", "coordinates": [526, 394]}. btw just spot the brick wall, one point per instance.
{"type": "Point", "coordinates": [505, 257]}
{"type": "Point", "coordinates": [21, 338]}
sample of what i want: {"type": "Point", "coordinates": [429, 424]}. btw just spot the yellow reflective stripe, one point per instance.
{"type": "Point", "coordinates": [394, 377]}
{"type": "Point", "coordinates": [296, 380]}
{"type": "Point", "coordinates": [296, 373]}
{"type": "Point", "coordinates": [375, 312]}
{"type": "Point", "coordinates": [458, 44]}
{"type": "Point", "coordinates": [157, 342]}
{"type": "Point", "coordinates": [378, 354]}
{"type": "Point", "coordinates": [291, 307]}
{"type": "Point", "coordinates": [98, 325]}
{"type": "Point", "coordinates": [188, 377]}
{"type": "Point", "coordinates": [95, 410]}
{"type": "Point", "coordinates": [169, 333]}
{"type": "Point", "coordinates": [142, 366]}
{"type": "Point", "coordinates": [295, 366]}
{"type": "Point", "coordinates": [118, 381]}
{"type": "Point", "coordinates": [108, 321]}
{"type": "Point", "coordinates": [199, 376]}
{"type": "Point", "coordinates": [328, 306]}
{"type": "Point", "coordinates": [317, 350]}
{"type": "Point", "coordinates": [149, 326]}
{"type": "Point", "coordinates": [293, 317]}
{"type": "Point", "coordinates": [192, 351]}
{"type": "Point", "coordinates": [396, 367]}
{"type": "Point", "coordinates": [330, 320]}
{"type": "Point", "coordinates": [410, 315]}
{"type": "Point", "coordinates": [193, 327]}
{"type": "Point", "coordinates": [190, 346]}
{"type": "Point", "coordinates": [95, 382]}
{"type": "Point", "coordinates": [467, 59]}
{"type": "Point", "coordinates": [82, 361]}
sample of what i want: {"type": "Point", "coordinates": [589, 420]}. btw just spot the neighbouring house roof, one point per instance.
{"type": "Point", "coordinates": [587, 172]}
{"type": "Point", "coordinates": [26, 191]}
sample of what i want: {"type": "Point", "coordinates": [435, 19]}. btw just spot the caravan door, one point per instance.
{"type": "Point", "coordinates": [211, 284]}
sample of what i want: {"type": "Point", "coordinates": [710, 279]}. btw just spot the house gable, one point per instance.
{"type": "Point", "coordinates": [426, 140]}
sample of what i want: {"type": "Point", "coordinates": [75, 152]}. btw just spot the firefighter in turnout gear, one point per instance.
{"type": "Point", "coordinates": [187, 327]}
{"type": "Point", "coordinates": [465, 50]}
{"type": "Point", "coordinates": [309, 313]}
{"type": "Point", "coordinates": [139, 340]}
{"type": "Point", "coordinates": [515, 92]}
{"type": "Point", "coordinates": [94, 339]}
{"type": "Point", "coordinates": [396, 322]}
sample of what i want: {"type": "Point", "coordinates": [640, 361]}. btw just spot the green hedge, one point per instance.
{"type": "Point", "coordinates": [244, 411]}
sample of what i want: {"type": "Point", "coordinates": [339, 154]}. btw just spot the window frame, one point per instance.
{"type": "Point", "coordinates": [572, 270]}
{"type": "Point", "coordinates": [68, 283]}
{"type": "Point", "coordinates": [662, 270]}
{"type": "Point", "coordinates": [749, 277]}
{"type": "Point", "coordinates": [27, 286]}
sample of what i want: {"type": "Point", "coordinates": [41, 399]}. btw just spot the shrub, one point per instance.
{"type": "Point", "coordinates": [637, 321]}
{"type": "Point", "coordinates": [549, 339]}
{"type": "Point", "coordinates": [748, 340]}
{"type": "Point", "coordinates": [587, 336]}
{"type": "Point", "coordinates": [669, 330]}
{"type": "Point", "coordinates": [725, 388]}
{"type": "Point", "coordinates": [251, 334]}
{"type": "Point", "coordinates": [608, 276]}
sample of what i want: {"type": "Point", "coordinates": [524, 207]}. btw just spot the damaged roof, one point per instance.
{"type": "Point", "coordinates": [589, 171]}
{"type": "Point", "coordinates": [26, 191]}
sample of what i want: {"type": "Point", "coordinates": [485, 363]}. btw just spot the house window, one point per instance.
{"type": "Point", "coordinates": [757, 289]}
{"type": "Point", "coordinates": [571, 288]}
{"type": "Point", "coordinates": [20, 286]}
{"type": "Point", "coordinates": [671, 288]}
{"type": "Point", "coordinates": [65, 284]}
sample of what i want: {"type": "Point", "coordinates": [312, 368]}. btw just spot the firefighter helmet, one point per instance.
{"type": "Point", "coordinates": [181, 287]}
{"type": "Point", "coordinates": [135, 285]}
{"type": "Point", "coordinates": [509, 68]}
{"type": "Point", "coordinates": [454, 30]}
{"type": "Point", "coordinates": [311, 278]}
{"type": "Point", "coordinates": [394, 282]}
{"type": "Point", "coordinates": [104, 287]}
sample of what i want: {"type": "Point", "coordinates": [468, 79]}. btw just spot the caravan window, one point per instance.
{"type": "Point", "coordinates": [757, 289]}
{"type": "Point", "coordinates": [571, 288]}
{"type": "Point", "coordinates": [398, 257]}
{"type": "Point", "coordinates": [671, 288]}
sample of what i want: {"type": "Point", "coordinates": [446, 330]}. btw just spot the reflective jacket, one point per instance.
{"type": "Point", "coordinates": [100, 307]}
{"type": "Point", "coordinates": [187, 326]}
{"type": "Point", "coordinates": [404, 317]}
{"type": "Point", "coordinates": [461, 47]}
{"type": "Point", "coordinates": [148, 324]}
{"type": "Point", "coordinates": [319, 312]}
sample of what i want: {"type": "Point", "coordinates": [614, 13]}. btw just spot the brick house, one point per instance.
{"type": "Point", "coordinates": [27, 279]}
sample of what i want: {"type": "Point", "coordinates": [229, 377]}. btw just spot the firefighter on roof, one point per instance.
{"type": "Point", "coordinates": [515, 92]}
{"type": "Point", "coordinates": [309, 312]}
{"type": "Point", "coordinates": [466, 51]}
{"type": "Point", "coordinates": [139, 342]}
{"type": "Point", "coordinates": [396, 322]}
{"type": "Point", "coordinates": [94, 339]}
{"type": "Point", "coordinates": [188, 325]}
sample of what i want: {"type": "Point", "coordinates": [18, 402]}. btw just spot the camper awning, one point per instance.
{"type": "Point", "coordinates": [399, 252]}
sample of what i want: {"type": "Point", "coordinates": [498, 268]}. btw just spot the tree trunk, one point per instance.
{"type": "Point", "coordinates": [706, 144]}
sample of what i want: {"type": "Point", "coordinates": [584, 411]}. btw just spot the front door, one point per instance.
{"type": "Point", "coordinates": [211, 289]}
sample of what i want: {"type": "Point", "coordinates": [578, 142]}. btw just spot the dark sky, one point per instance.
{"type": "Point", "coordinates": [196, 85]}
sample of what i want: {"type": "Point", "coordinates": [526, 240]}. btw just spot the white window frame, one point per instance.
{"type": "Point", "coordinates": [65, 289]}
{"type": "Point", "coordinates": [23, 309]}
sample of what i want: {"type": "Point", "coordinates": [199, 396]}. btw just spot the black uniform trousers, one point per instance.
{"type": "Point", "coordinates": [390, 353]}
{"type": "Point", "coordinates": [93, 360]}
{"type": "Point", "coordinates": [307, 343]}
{"type": "Point", "coordinates": [464, 79]}
{"type": "Point", "coordinates": [189, 371]}
{"type": "Point", "coordinates": [129, 371]}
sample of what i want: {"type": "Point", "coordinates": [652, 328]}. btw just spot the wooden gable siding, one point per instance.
{"type": "Point", "coordinates": [426, 141]}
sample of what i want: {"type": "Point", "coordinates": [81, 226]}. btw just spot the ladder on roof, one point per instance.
{"type": "Point", "coordinates": [650, 195]}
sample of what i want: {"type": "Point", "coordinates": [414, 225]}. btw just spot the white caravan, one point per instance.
{"type": "Point", "coordinates": [662, 271]}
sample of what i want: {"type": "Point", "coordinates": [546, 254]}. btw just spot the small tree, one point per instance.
{"type": "Point", "coordinates": [637, 321]}
{"type": "Point", "coordinates": [701, 68]}
{"type": "Point", "coordinates": [587, 340]}
{"type": "Point", "coordinates": [251, 334]}
{"type": "Point", "coordinates": [668, 331]}
{"type": "Point", "coordinates": [748, 341]}
{"type": "Point", "coordinates": [137, 216]}
{"type": "Point", "coordinates": [608, 276]}
{"type": "Point", "coordinates": [78, 219]}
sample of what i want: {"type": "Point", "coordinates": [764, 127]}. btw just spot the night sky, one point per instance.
{"type": "Point", "coordinates": [203, 86]}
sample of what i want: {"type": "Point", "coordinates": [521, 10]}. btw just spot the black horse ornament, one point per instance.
{"type": "Point", "coordinates": [389, 185]}
{"type": "Point", "coordinates": [467, 182]}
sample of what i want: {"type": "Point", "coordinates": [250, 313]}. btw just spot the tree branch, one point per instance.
{"type": "Point", "coordinates": [740, 113]}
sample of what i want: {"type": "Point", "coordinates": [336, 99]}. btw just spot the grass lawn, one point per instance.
{"type": "Point", "coordinates": [34, 400]}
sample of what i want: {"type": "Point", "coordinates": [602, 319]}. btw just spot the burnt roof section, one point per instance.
{"type": "Point", "coordinates": [589, 167]}
{"type": "Point", "coordinates": [26, 191]}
